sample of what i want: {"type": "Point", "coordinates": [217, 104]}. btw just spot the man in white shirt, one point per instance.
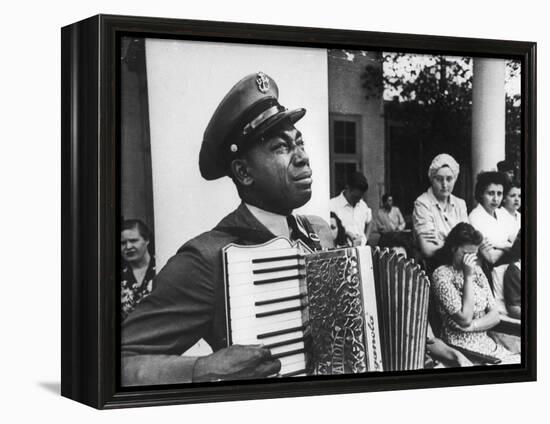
{"type": "Point", "coordinates": [353, 211]}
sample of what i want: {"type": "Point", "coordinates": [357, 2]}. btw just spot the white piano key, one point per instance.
{"type": "Point", "coordinates": [243, 290]}
{"type": "Point", "coordinates": [247, 300]}
{"type": "Point", "coordinates": [246, 330]}
{"type": "Point", "coordinates": [292, 363]}
{"type": "Point", "coordinates": [286, 348]}
{"type": "Point", "coordinates": [244, 255]}
{"type": "Point", "coordinates": [249, 280]}
{"type": "Point", "coordinates": [252, 310]}
{"type": "Point", "coordinates": [265, 266]}
{"type": "Point", "coordinates": [271, 340]}
{"type": "Point", "coordinates": [247, 267]}
{"type": "Point", "coordinates": [262, 322]}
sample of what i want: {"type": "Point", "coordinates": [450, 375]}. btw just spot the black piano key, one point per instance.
{"type": "Point", "coordinates": [279, 332]}
{"type": "Point", "coordinates": [278, 312]}
{"type": "Point", "coordinates": [275, 259]}
{"type": "Point", "coordinates": [284, 343]}
{"type": "Point", "coordinates": [277, 300]}
{"type": "Point", "coordinates": [289, 353]}
{"type": "Point", "coordinates": [277, 280]}
{"type": "Point", "coordinates": [278, 269]}
{"type": "Point", "coordinates": [293, 373]}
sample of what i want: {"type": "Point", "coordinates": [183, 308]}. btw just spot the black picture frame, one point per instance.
{"type": "Point", "coordinates": [90, 203]}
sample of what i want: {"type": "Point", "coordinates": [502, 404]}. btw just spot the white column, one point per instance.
{"type": "Point", "coordinates": [488, 114]}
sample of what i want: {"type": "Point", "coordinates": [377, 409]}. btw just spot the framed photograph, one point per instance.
{"type": "Point", "coordinates": [255, 211]}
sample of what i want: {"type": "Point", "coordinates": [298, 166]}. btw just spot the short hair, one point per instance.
{"type": "Point", "coordinates": [385, 197]}
{"type": "Point", "coordinates": [509, 186]}
{"type": "Point", "coordinates": [505, 165]}
{"type": "Point", "coordinates": [358, 181]}
{"type": "Point", "coordinates": [143, 230]}
{"type": "Point", "coordinates": [485, 179]}
{"type": "Point", "coordinates": [461, 234]}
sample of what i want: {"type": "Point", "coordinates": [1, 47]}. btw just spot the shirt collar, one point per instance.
{"type": "Point", "coordinates": [436, 203]}
{"type": "Point", "coordinates": [484, 211]}
{"type": "Point", "coordinates": [275, 223]}
{"type": "Point", "coordinates": [344, 202]}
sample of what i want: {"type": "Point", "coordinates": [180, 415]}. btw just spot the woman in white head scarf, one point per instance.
{"type": "Point", "coordinates": [437, 210]}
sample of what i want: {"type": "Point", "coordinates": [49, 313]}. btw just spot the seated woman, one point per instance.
{"type": "Point", "coordinates": [511, 203]}
{"type": "Point", "coordinates": [464, 298]}
{"type": "Point", "coordinates": [338, 232]}
{"type": "Point", "coordinates": [138, 265]}
{"type": "Point", "coordinates": [390, 224]}
{"type": "Point", "coordinates": [437, 211]}
{"type": "Point", "coordinates": [491, 221]}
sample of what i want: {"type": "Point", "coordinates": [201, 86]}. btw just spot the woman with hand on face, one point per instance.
{"type": "Point", "coordinates": [437, 210]}
{"type": "Point", "coordinates": [491, 221]}
{"type": "Point", "coordinates": [465, 302]}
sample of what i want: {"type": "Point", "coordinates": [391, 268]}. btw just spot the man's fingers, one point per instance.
{"type": "Point", "coordinates": [264, 354]}
{"type": "Point", "coordinates": [268, 368]}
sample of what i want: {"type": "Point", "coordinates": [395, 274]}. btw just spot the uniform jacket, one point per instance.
{"type": "Point", "coordinates": [188, 302]}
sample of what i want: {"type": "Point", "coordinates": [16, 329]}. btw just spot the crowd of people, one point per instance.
{"type": "Point", "coordinates": [474, 260]}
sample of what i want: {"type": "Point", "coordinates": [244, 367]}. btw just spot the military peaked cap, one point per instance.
{"type": "Point", "coordinates": [246, 112]}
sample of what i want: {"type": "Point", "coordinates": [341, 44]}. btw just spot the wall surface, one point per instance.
{"type": "Point", "coordinates": [347, 97]}
{"type": "Point", "coordinates": [29, 170]}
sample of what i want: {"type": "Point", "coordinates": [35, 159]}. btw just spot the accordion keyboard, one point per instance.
{"type": "Point", "coordinates": [266, 303]}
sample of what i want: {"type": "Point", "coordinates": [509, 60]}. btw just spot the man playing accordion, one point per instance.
{"type": "Point", "coordinates": [252, 139]}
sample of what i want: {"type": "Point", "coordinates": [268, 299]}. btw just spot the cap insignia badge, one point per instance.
{"type": "Point", "coordinates": [262, 81]}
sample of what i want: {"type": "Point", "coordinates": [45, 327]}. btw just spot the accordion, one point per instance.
{"type": "Point", "coordinates": [338, 311]}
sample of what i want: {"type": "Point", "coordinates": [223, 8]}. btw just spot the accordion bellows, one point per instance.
{"type": "Point", "coordinates": [341, 311]}
{"type": "Point", "coordinates": [403, 290]}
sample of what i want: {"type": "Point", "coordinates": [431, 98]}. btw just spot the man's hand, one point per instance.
{"type": "Point", "coordinates": [236, 362]}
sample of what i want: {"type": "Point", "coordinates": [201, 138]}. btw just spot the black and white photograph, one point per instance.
{"type": "Point", "coordinates": [302, 212]}
{"type": "Point", "coordinates": [275, 212]}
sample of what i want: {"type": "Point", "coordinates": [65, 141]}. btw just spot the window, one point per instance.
{"type": "Point", "coordinates": [345, 137]}
{"type": "Point", "coordinates": [345, 154]}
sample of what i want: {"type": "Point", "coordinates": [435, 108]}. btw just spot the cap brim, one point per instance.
{"type": "Point", "coordinates": [212, 166]}
{"type": "Point", "coordinates": [292, 115]}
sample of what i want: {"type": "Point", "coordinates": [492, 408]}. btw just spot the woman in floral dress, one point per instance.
{"type": "Point", "coordinates": [464, 298]}
{"type": "Point", "coordinates": [138, 265]}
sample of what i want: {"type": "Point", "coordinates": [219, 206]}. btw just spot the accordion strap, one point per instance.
{"type": "Point", "coordinates": [315, 241]}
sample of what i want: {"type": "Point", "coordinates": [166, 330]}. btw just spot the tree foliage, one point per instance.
{"type": "Point", "coordinates": [432, 95]}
